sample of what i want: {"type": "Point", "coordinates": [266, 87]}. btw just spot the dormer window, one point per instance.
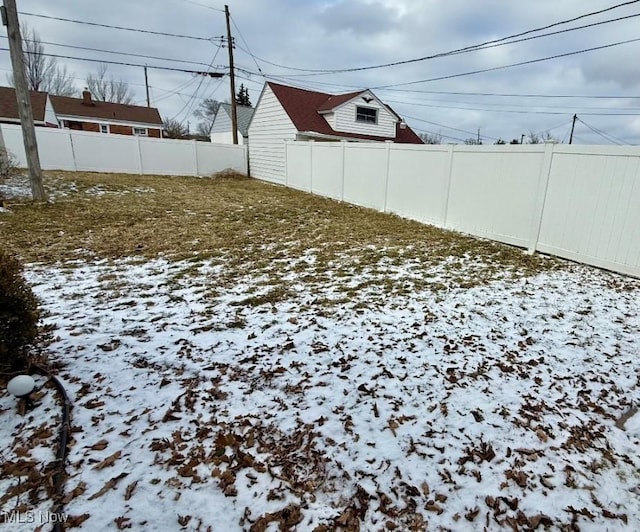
{"type": "Point", "coordinates": [366, 114]}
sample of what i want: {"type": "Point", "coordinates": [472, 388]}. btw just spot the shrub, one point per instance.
{"type": "Point", "coordinates": [19, 314]}
{"type": "Point", "coordinates": [8, 165]}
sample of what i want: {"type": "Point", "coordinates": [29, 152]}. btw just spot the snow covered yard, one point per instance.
{"type": "Point", "coordinates": [302, 365]}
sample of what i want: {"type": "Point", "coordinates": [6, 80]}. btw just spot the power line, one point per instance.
{"type": "Point", "coordinates": [514, 95]}
{"type": "Point", "coordinates": [202, 5]}
{"type": "Point", "coordinates": [115, 52]}
{"type": "Point", "coordinates": [606, 136]}
{"type": "Point", "coordinates": [138, 30]}
{"type": "Point", "coordinates": [494, 104]}
{"type": "Point", "coordinates": [486, 44]}
{"type": "Point", "coordinates": [201, 73]}
{"type": "Point", "coordinates": [503, 67]}
{"type": "Point", "coordinates": [247, 45]}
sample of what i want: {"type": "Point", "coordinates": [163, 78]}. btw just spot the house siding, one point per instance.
{"type": "Point", "coordinates": [345, 119]}
{"type": "Point", "coordinates": [221, 132]}
{"type": "Point", "coordinates": [269, 128]}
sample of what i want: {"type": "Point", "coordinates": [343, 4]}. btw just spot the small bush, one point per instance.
{"type": "Point", "coordinates": [8, 165]}
{"type": "Point", "coordinates": [19, 314]}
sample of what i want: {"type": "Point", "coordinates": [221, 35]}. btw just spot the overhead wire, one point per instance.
{"type": "Point", "coordinates": [125, 28]}
{"type": "Point", "coordinates": [102, 50]}
{"type": "Point", "coordinates": [511, 65]}
{"type": "Point", "coordinates": [464, 49]}
{"type": "Point", "coordinates": [604, 135]}
{"type": "Point", "coordinates": [202, 73]}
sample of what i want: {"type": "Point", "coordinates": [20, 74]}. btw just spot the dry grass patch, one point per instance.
{"type": "Point", "coordinates": [250, 227]}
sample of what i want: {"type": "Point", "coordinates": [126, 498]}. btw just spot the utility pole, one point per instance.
{"type": "Point", "coordinates": [573, 126]}
{"type": "Point", "coordinates": [478, 136]}
{"type": "Point", "coordinates": [146, 84]}
{"type": "Point", "coordinates": [10, 20]}
{"type": "Point", "coordinates": [234, 113]}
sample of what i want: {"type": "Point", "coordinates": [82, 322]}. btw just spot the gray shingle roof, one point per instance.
{"type": "Point", "coordinates": [244, 116]}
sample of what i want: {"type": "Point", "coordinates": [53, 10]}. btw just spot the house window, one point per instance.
{"type": "Point", "coordinates": [140, 131]}
{"type": "Point", "coordinates": [366, 114]}
{"type": "Point", "coordinates": [104, 128]}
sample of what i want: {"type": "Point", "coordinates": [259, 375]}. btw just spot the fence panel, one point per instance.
{"type": "Point", "coordinates": [493, 192]}
{"type": "Point", "coordinates": [365, 173]}
{"type": "Point", "coordinates": [592, 211]}
{"type": "Point", "coordinates": [170, 157]}
{"type": "Point", "coordinates": [298, 157]}
{"type": "Point", "coordinates": [418, 183]}
{"type": "Point", "coordinates": [86, 151]}
{"type": "Point", "coordinates": [98, 152]}
{"type": "Point", "coordinates": [213, 158]}
{"type": "Point", "coordinates": [326, 179]}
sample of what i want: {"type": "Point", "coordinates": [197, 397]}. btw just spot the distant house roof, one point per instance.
{"type": "Point", "coordinates": [304, 108]}
{"type": "Point", "coordinates": [9, 105]}
{"type": "Point", "coordinates": [67, 106]}
{"type": "Point", "coordinates": [244, 114]}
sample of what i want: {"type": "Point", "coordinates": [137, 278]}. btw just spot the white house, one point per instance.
{"type": "Point", "coordinates": [221, 130]}
{"type": "Point", "coordinates": [288, 113]}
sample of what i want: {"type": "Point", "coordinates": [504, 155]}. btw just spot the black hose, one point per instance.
{"type": "Point", "coordinates": [59, 474]}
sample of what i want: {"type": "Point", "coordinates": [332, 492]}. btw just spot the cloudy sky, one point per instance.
{"type": "Point", "coordinates": [289, 41]}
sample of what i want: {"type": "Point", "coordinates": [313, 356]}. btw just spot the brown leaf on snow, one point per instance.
{"type": "Point", "coordinates": [431, 506]}
{"type": "Point", "coordinates": [93, 403]}
{"type": "Point", "coordinates": [425, 489]}
{"type": "Point", "coordinates": [122, 522]}
{"type": "Point", "coordinates": [541, 519]}
{"type": "Point", "coordinates": [287, 518]}
{"type": "Point", "coordinates": [100, 446]}
{"type": "Point", "coordinates": [108, 461]}
{"type": "Point", "coordinates": [109, 485]}
{"type": "Point", "coordinates": [74, 521]}
{"type": "Point", "coordinates": [128, 493]}
{"type": "Point", "coordinates": [472, 514]}
{"type": "Point", "coordinates": [542, 435]}
{"type": "Point", "coordinates": [76, 492]}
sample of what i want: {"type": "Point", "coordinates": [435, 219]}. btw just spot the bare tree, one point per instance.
{"type": "Point", "coordinates": [206, 111]}
{"type": "Point", "coordinates": [431, 138]}
{"type": "Point", "coordinates": [174, 129]}
{"type": "Point", "coordinates": [539, 138]}
{"type": "Point", "coordinates": [43, 73]}
{"type": "Point", "coordinates": [108, 89]}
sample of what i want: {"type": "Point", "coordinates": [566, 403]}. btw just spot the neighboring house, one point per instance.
{"type": "Point", "coordinates": [288, 113]}
{"type": "Point", "coordinates": [221, 130]}
{"type": "Point", "coordinates": [43, 113]}
{"type": "Point", "coordinates": [86, 114]}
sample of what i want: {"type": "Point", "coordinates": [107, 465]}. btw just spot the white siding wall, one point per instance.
{"type": "Point", "coordinates": [331, 119]}
{"type": "Point", "coordinates": [345, 119]}
{"type": "Point", "coordinates": [49, 114]}
{"type": "Point", "coordinates": [269, 129]}
{"type": "Point", "coordinates": [577, 202]}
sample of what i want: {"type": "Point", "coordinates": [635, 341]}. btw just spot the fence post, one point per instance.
{"type": "Point", "coordinates": [195, 156]}
{"type": "Point", "coordinates": [140, 167]}
{"type": "Point", "coordinates": [447, 190]}
{"type": "Point", "coordinates": [386, 175]}
{"type": "Point", "coordinates": [311, 165]}
{"type": "Point", "coordinates": [541, 197]}
{"type": "Point", "coordinates": [73, 152]}
{"type": "Point", "coordinates": [343, 144]}
{"type": "Point", "coordinates": [286, 162]}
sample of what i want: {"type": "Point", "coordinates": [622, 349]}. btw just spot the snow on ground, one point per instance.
{"type": "Point", "coordinates": [505, 406]}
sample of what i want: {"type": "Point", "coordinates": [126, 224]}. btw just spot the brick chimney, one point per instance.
{"type": "Point", "coordinates": [86, 98]}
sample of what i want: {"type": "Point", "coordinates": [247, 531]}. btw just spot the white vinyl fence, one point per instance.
{"type": "Point", "coordinates": [62, 149]}
{"type": "Point", "coordinates": [576, 202]}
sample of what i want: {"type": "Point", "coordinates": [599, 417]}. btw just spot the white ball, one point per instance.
{"type": "Point", "coordinates": [21, 386]}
